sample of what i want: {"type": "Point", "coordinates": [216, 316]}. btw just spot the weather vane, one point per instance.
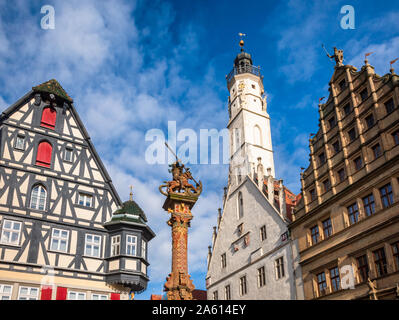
{"type": "Point", "coordinates": [241, 40]}
{"type": "Point", "coordinates": [391, 63]}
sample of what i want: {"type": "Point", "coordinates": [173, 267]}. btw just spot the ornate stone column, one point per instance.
{"type": "Point", "coordinates": [181, 197]}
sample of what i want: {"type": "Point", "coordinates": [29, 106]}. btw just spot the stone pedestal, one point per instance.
{"type": "Point", "coordinates": [178, 284]}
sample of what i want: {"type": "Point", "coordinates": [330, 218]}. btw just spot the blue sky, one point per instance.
{"type": "Point", "coordinates": [133, 65]}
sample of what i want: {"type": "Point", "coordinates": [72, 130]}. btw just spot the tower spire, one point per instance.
{"type": "Point", "coordinates": [131, 193]}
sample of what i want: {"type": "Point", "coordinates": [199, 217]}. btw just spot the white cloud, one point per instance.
{"type": "Point", "coordinates": [383, 53]}
{"type": "Point", "coordinates": [297, 41]}
{"type": "Point", "coordinates": [3, 104]}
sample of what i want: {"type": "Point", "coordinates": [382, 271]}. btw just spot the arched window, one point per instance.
{"type": "Point", "coordinates": [49, 116]}
{"type": "Point", "coordinates": [44, 151]}
{"type": "Point", "coordinates": [38, 197]}
{"type": "Point", "coordinates": [257, 136]}
{"type": "Point", "coordinates": [240, 206]}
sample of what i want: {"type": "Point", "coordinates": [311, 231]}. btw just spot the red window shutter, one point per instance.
{"type": "Point", "coordinates": [49, 116]}
{"type": "Point", "coordinates": [46, 293]}
{"type": "Point", "coordinates": [115, 296]}
{"type": "Point", "coordinates": [61, 293]}
{"type": "Point", "coordinates": [44, 151]}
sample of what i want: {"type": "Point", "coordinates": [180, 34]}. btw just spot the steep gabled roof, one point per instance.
{"type": "Point", "coordinates": [53, 86]}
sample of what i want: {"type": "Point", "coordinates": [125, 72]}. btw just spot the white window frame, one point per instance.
{"type": "Point", "coordinates": [18, 139]}
{"type": "Point", "coordinates": [131, 244]}
{"type": "Point", "coordinates": [93, 244]}
{"type": "Point", "coordinates": [39, 198]}
{"type": "Point", "coordinates": [11, 230]}
{"type": "Point", "coordinates": [115, 243]}
{"type": "Point", "coordinates": [59, 238]}
{"type": "Point", "coordinates": [29, 295]}
{"type": "Point", "coordinates": [85, 197]}
{"type": "Point", "coordinates": [69, 151]}
{"type": "Point", "coordinates": [143, 248]}
{"type": "Point", "coordinates": [98, 296]}
{"type": "Point", "coordinates": [77, 293]}
{"type": "Point", "coordinates": [3, 295]}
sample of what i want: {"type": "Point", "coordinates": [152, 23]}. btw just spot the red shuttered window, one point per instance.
{"type": "Point", "coordinates": [49, 116]}
{"type": "Point", "coordinates": [43, 157]}
{"type": "Point", "coordinates": [115, 296]}
{"type": "Point", "coordinates": [61, 293]}
{"type": "Point", "coordinates": [46, 293]}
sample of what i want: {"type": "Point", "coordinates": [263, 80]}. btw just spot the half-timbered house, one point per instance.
{"type": "Point", "coordinates": [64, 231]}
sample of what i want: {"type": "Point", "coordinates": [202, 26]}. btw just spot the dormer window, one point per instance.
{"type": "Point", "coordinates": [49, 117]}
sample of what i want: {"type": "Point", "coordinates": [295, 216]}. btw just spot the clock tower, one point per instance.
{"type": "Point", "coordinates": [249, 122]}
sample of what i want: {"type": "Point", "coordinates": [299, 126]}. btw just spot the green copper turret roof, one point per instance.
{"type": "Point", "coordinates": [52, 86]}
{"type": "Point", "coordinates": [130, 211]}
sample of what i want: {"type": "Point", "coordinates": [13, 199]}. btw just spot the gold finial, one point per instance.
{"type": "Point", "coordinates": [241, 41]}
{"type": "Point", "coordinates": [131, 193]}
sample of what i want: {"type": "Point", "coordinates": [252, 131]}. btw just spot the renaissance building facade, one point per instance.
{"type": "Point", "coordinates": [347, 222]}
{"type": "Point", "coordinates": [252, 255]}
{"type": "Point", "coordinates": [64, 232]}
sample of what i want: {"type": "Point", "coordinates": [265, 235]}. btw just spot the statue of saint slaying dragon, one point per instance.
{"type": "Point", "coordinates": [180, 183]}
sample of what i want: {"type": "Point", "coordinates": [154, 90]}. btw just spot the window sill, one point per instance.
{"type": "Point", "coordinates": [60, 252]}
{"type": "Point", "coordinates": [10, 245]}
{"type": "Point", "coordinates": [92, 257]}
{"type": "Point", "coordinates": [84, 207]}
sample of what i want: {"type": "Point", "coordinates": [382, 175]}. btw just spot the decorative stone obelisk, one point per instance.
{"type": "Point", "coordinates": [181, 197]}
